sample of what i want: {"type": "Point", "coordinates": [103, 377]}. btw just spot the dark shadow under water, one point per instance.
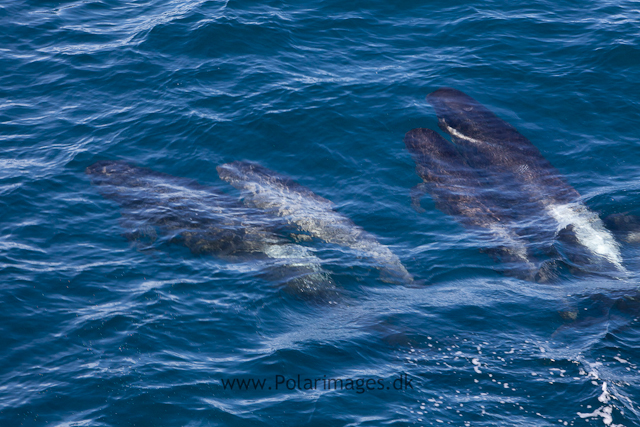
{"type": "Point", "coordinates": [157, 207]}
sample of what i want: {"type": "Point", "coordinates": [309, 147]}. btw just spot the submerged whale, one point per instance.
{"type": "Point", "coordinates": [207, 222]}
{"type": "Point", "coordinates": [506, 160]}
{"type": "Point", "coordinates": [458, 191]}
{"type": "Point", "coordinates": [281, 196]}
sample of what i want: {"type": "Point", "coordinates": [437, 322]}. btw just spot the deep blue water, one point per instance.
{"type": "Point", "coordinates": [98, 330]}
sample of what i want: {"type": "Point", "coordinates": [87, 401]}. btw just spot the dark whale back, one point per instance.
{"type": "Point", "coordinates": [491, 143]}
{"type": "Point", "coordinates": [516, 183]}
{"type": "Point", "coordinates": [454, 186]}
{"type": "Point", "coordinates": [206, 220]}
{"type": "Point", "coordinates": [209, 222]}
{"type": "Point", "coordinates": [457, 190]}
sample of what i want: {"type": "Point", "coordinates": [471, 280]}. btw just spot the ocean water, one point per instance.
{"type": "Point", "coordinates": [102, 328]}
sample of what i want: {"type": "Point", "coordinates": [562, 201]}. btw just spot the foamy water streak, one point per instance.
{"type": "Point", "coordinates": [589, 230]}
{"type": "Point", "coordinates": [606, 410]}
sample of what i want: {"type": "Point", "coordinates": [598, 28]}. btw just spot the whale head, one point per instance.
{"type": "Point", "coordinates": [465, 118]}
{"type": "Point", "coordinates": [111, 172]}
{"type": "Point", "coordinates": [108, 168]}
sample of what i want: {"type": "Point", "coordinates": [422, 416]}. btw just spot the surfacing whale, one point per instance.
{"type": "Point", "coordinates": [207, 222]}
{"type": "Point", "coordinates": [281, 196]}
{"type": "Point", "coordinates": [501, 153]}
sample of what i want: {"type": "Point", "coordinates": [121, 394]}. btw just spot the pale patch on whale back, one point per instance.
{"type": "Point", "coordinates": [457, 134]}
{"type": "Point", "coordinates": [589, 230]}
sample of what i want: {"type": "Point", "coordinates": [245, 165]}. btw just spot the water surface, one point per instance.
{"type": "Point", "coordinates": [99, 331]}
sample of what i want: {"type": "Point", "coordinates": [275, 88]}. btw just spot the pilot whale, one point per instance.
{"type": "Point", "coordinates": [281, 196]}
{"type": "Point", "coordinates": [457, 190]}
{"type": "Point", "coordinates": [207, 222]}
{"type": "Point", "coordinates": [491, 145]}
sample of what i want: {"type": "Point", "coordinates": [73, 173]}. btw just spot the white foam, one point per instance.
{"type": "Point", "coordinates": [295, 255]}
{"type": "Point", "coordinates": [589, 230]}
{"type": "Point", "coordinates": [604, 412]}
{"type": "Point", "coordinates": [605, 396]}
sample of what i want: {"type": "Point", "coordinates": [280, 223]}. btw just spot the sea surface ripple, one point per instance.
{"type": "Point", "coordinates": [100, 331]}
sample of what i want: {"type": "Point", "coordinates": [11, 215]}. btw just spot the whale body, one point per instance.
{"type": "Point", "coordinates": [506, 159]}
{"type": "Point", "coordinates": [458, 191]}
{"type": "Point", "coordinates": [206, 221]}
{"type": "Point", "coordinates": [283, 197]}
